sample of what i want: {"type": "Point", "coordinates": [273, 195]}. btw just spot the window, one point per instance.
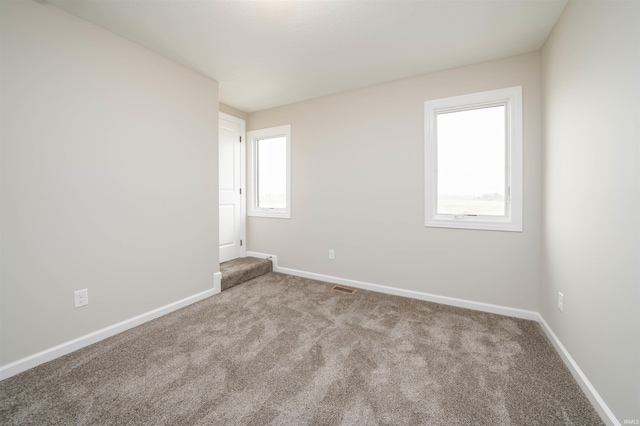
{"type": "Point", "coordinates": [269, 190]}
{"type": "Point", "coordinates": [473, 161]}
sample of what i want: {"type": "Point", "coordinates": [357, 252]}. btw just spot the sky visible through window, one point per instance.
{"type": "Point", "coordinates": [272, 173]}
{"type": "Point", "coordinates": [471, 162]}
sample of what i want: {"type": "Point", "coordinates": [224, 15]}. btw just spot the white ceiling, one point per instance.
{"type": "Point", "coordinates": [266, 53]}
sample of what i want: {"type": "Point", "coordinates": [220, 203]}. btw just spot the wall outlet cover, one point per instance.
{"type": "Point", "coordinates": [561, 301]}
{"type": "Point", "coordinates": [81, 298]}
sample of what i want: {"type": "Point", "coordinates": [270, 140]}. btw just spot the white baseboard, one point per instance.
{"type": "Point", "coordinates": [444, 300]}
{"type": "Point", "coordinates": [50, 354]}
{"type": "Point", "coordinates": [598, 403]}
{"type": "Point", "coordinates": [217, 282]}
{"type": "Point", "coordinates": [601, 407]}
{"type": "Point", "coordinates": [273, 257]}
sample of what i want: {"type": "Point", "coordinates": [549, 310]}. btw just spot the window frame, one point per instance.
{"type": "Point", "coordinates": [511, 97]}
{"type": "Point", "coordinates": [252, 201]}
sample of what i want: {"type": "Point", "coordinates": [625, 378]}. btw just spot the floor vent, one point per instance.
{"type": "Point", "coordinates": [343, 289]}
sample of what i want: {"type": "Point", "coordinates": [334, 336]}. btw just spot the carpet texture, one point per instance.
{"type": "Point", "coordinates": [243, 269]}
{"type": "Point", "coordinates": [284, 350]}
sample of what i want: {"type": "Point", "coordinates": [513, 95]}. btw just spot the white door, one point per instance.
{"type": "Point", "coordinates": [231, 179]}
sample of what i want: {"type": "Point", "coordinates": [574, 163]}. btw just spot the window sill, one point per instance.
{"type": "Point", "coordinates": [275, 215]}
{"type": "Point", "coordinates": [474, 224]}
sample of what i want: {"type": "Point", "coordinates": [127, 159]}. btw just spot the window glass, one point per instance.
{"type": "Point", "coordinates": [471, 162]}
{"type": "Point", "coordinates": [272, 172]}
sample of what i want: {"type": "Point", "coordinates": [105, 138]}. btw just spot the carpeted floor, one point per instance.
{"type": "Point", "coordinates": [243, 269]}
{"type": "Point", "coordinates": [284, 350]}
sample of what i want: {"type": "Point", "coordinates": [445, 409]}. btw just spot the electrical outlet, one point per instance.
{"type": "Point", "coordinates": [561, 302]}
{"type": "Point", "coordinates": [81, 298]}
{"type": "Point", "coordinates": [332, 254]}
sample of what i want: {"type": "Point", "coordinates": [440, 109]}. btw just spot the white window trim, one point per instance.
{"type": "Point", "coordinates": [512, 221]}
{"type": "Point", "coordinates": [252, 205]}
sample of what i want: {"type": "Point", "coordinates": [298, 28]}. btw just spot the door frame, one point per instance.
{"type": "Point", "coordinates": [243, 178]}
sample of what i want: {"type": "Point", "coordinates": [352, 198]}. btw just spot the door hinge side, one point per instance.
{"type": "Point", "coordinates": [240, 243]}
{"type": "Point", "coordinates": [240, 139]}
{"type": "Point", "coordinates": [240, 191]}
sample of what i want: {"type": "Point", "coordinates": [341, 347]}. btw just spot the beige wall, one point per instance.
{"type": "Point", "coordinates": [357, 188]}
{"type": "Point", "coordinates": [109, 179]}
{"type": "Point", "coordinates": [591, 239]}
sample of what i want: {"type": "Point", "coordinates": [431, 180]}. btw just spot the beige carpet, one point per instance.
{"type": "Point", "coordinates": [283, 350]}
{"type": "Point", "coordinates": [243, 269]}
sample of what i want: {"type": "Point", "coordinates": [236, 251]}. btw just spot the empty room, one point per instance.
{"type": "Point", "coordinates": [340, 212]}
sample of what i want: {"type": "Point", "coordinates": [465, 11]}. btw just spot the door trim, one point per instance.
{"type": "Point", "coordinates": [243, 178]}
